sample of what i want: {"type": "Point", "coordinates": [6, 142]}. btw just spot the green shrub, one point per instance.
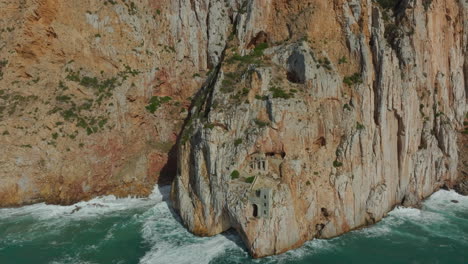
{"type": "Point", "coordinates": [237, 142]}
{"type": "Point", "coordinates": [353, 79]}
{"type": "Point", "coordinates": [250, 179]}
{"type": "Point", "coordinates": [261, 123]}
{"type": "Point", "coordinates": [155, 102]}
{"type": "Point", "coordinates": [280, 93]}
{"type": "Point", "coordinates": [258, 50]}
{"type": "Point", "coordinates": [252, 58]}
{"type": "Point", "coordinates": [360, 126]}
{"type": "Point", "coordinates": [325, 62]}
{"type": "Point", "coordinates": [235, 175]}
{"type": "Point", "coordinates": [209, 126]}
{"type": "Point", "coordinates": [63, 98]}
{"type": "Point", "coordinates": [337, 164]}
{"type": "Point", "coordinates": [342, 60]}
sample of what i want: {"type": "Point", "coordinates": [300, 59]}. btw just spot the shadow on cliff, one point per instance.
{"type": "Point", "coordinates": [168, 172]}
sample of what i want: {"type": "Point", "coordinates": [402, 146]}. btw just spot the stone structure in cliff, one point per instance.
{"type": "Point", "coordinates": [261, 202]}
{"type": "Point", "coordinates": [344, 109]}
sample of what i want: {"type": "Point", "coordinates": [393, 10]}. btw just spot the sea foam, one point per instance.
{"type": "Point", "coordinates": [93, 208]}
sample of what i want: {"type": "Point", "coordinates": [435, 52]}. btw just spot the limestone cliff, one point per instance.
{"type": "Point", "coordinates": [93, 94]}
{"type": "Point", "coordinates": [321, 116]}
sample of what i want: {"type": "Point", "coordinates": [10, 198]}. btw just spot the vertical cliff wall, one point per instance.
{"type": "Point", "coordinates": [93, 94]}
{"type": "Point", "coordinates": [340, 110]}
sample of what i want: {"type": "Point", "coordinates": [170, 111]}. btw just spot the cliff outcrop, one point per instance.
{"type": "Point", "coordinates": [321, 117]}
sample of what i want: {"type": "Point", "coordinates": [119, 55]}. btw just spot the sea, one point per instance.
{"type": "Point", "coordinates": [108, 230]}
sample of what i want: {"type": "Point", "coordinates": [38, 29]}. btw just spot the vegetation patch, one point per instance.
{"type": "Point", "coordinates": [261, 124]}
{"type": "Point", "coordinates": [250, 179]}
{"type": "Point", "coordinates": [342, 60]}
{"type": "Point", "coordinates": [337, 164]}
{"type": "Point", "coordinates": [84, 111]}
{"type": "Point", "coordinates": [278, 92]}
{"type": "Point", "coordinates": [11, 103]}
{"type": "Point", "coordinates": [3, 64]}
{"type": "Point", "coordinates": [156, 102]}
{"type": "Point", "coordinates": [360, 126]}
{"type": "Point", "coordinates": [209, 126]}
{"type": "Point", "coordinates": [325, 63]}
{"type": "Point", "coordinates": [354, 79]}
{"type": "Point", "coordinates": [235, 175]}
{"type": "Point", "coordinates": [252, 58]}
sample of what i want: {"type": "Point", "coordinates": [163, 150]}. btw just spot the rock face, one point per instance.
{"type": "Point", "coordinates": [84, 93]}
{"type": "Point", "coordinates": [321, 116]}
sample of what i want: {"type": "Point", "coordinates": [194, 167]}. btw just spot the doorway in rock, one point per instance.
{"type": "Point", "coordinates": [255, 210]}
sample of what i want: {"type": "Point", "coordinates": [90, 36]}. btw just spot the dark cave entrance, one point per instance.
{"type": "Point", "coordinates": [255, 210]}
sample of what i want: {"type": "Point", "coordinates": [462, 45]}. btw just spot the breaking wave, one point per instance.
{"type": "Point", "coordinates": [147, 231]}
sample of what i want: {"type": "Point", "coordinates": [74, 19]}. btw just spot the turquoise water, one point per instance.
{"type": "Point", "coordinates": [108, 230]}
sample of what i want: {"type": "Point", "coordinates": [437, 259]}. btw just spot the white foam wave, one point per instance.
{"type": "Point", "coordinates": [434, 208]}
{"type": "Point", "coordinates": [447, 201]}
{"type": "Point", "coordinates": [435, 219]}
{"type": "Point", "coordinates": [172, 243]}
{"type": "Point", "coordinates": [401, 214]}
{"type": "Point", "coordinates": [93, 208]}
{"type": "Point", "coordinates": [201, 252]}
{"type": "Point", "coordinates": [312, 247]}
{"type": "Point", "coordinates": [378, 230]}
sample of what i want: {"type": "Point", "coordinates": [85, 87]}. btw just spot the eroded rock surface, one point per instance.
{"type": "Point", "coordinates": [84, 93]}
{"type": "Point", "coordinates": [321, 117]}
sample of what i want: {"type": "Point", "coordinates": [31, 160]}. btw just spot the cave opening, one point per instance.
{"type": "Point", "coordinates": [296, 68]}
{"type": "Point", "coordinates": [255, 210]}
